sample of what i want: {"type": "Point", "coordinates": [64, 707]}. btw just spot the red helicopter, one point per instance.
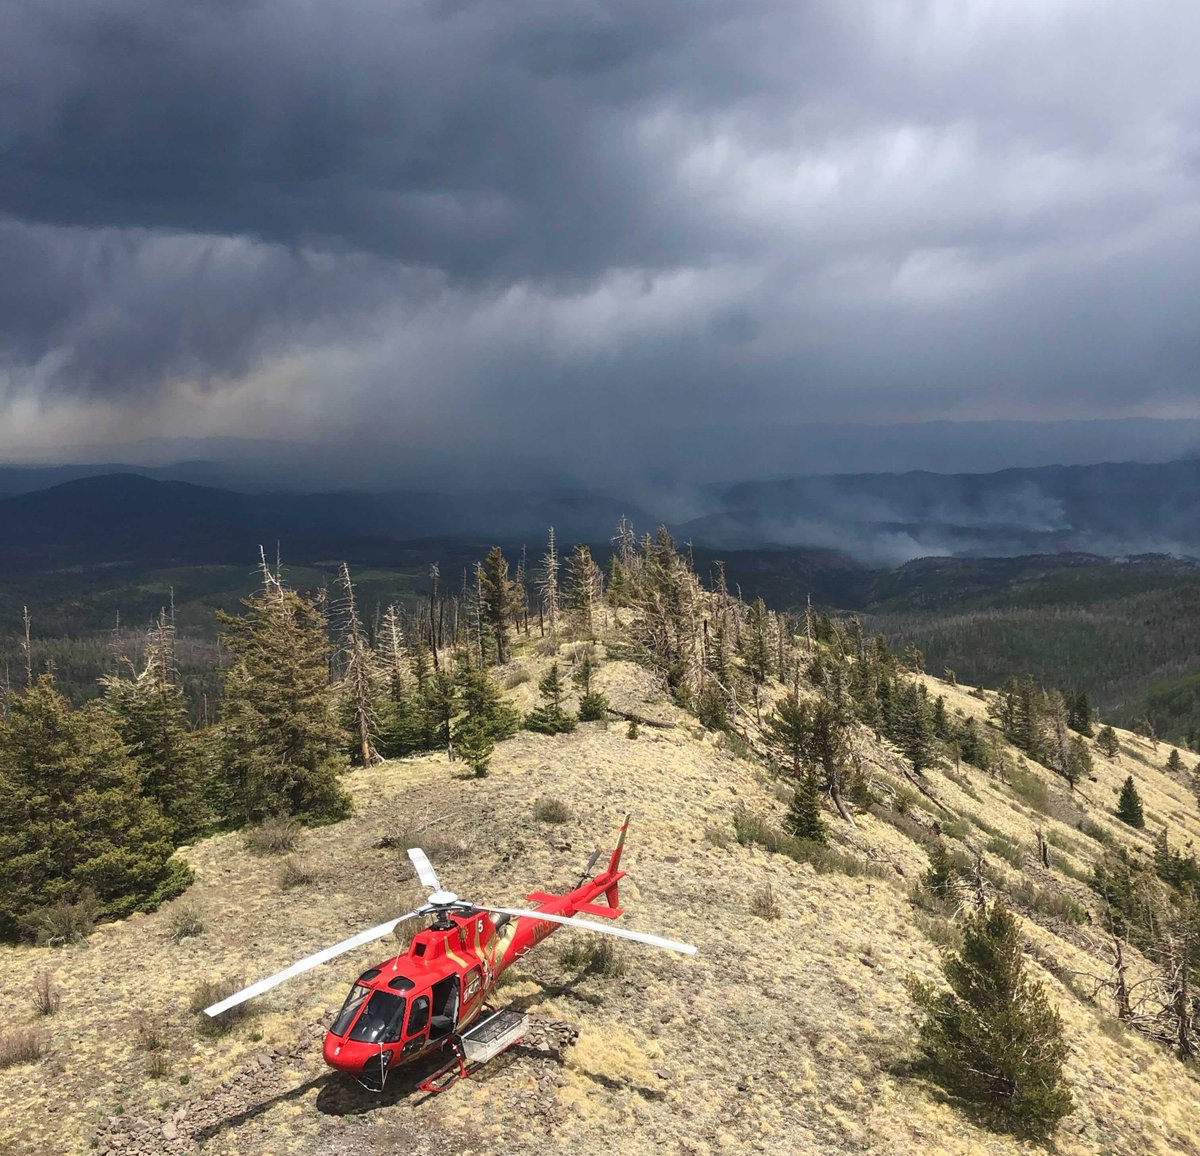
{"type": "Point", "coordinates": [434, 994]}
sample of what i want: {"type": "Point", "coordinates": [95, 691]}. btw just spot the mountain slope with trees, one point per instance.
{"type": "Point", "coordinates": [825, 820]}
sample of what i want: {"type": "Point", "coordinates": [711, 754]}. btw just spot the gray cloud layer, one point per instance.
{"type": "Point", "coordinates": [452, 220]}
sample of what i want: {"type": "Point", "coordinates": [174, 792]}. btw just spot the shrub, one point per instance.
{"type": "Point", "coordinates": [46, 997]}
{"type": "Point", "coordinates": [21, 1046]}
{"type": "Point", "coordinates": [152, 1033]}
{"type": "Point", "coordinates": [63, 922]}
{"type": "Point", "coordinates": [1029, 788]}
{"type": "Point", "coordinates": [717, 836]}
{"type": "Point", "coordinates": [159, 1066]}
{"type": "Point", "coordinates": [551, 810]}
{"type": "Point", "coordinates": [274, 836]}
{"type": "Point", "coordinates": [210, 991]}
{"type": "Point", "coordinates": [942, 878]}
{"type": "Point", "coordinates": [593, 706]}
{"type": "Point", "coordinates": [993, 1037]}
{"type": "Point", "coordinates": [631, 731]}
{"type": "Point", "coordinates": [1007, 849]}
{"type": "Point", "coordinates": [1047, 901]}
{"type": "Point", "coordinates": [186, 922]}
{"type": "Point", "coordinates": [595, 956]}
{"type": "Point", "coordinates": [764, 903]}
{"type": "Point", "coordinates": [518, 676]}
{"type": "Point", "coordinates": [296, 873]}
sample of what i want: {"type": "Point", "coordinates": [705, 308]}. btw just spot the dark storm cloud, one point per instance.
{"type": "Point", "coordinates": [478, 216]}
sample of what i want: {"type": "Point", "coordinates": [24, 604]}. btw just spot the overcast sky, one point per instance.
{"type": "Point", "coordinates": [447, 224]}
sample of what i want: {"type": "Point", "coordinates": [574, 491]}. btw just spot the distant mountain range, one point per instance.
{"type": "Point", "coordinates": [844, 520]}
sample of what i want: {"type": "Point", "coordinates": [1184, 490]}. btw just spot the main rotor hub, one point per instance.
{"type": "Point", "coordinates": [443, 899]}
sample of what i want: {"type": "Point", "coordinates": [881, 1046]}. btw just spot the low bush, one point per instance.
{"type": "Point", "coordinates": [1007, 849]}
{"type": "Point", "coordinates": [185, 923]}
{"type": "Point", "coordinates": [61, 923]}
{"type": "Point", "coordinates": [751, 829]}
{"type": "Point", "coordinates": [274, 836]}
{"type": "Point", "coordinates": [595, 956]}
{"type": "Point", "coordinates": [518, 676]}
{"type": "Point", "coordinates": [551, 810]}
{"type": "Point", "coordinates": [210, 991]}
{"type": "Point", "coordinates": [46, 997]}
{"type": "Point", "coordinates": [21, 1046]}
{"type": "Point", "coordinates": [296, 873]}
{"type": "Point", "coordinates": [1047, 901]}
{"type": "Point", "coordinates": [1029, 788]}
{"type": "Point", "coordinates": [765, 904]}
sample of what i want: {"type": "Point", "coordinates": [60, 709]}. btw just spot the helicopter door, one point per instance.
{"type": "Point", "coordinates": [445, 1007]}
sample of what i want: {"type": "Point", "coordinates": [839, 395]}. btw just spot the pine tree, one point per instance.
{"type": "Point", "coordinates": [592, 703]}
{"type": "Point", "coordinates": [73, 816]}
{"type": "Point", "coordinates": [939, 720]}
{"type": "Point", "coordinates": [474, 745]}
{"type": "Point", "coordinates": [585, 588]}
{"type": "Point", "coordinates": [150, 714]}
{"type": "Point", "coordinates": [439, 707]}
{"type": "Point", "coordinates": [1174, 762]}
{"type": "Point", "coordinates": [994, 1038]}
{"type": "Point", "coordinates": [1080, 719]}
{"type": "Point", "coordinates": [941, 879]}
{"type": "Point", "coordinates": [498, 600]}
{"type": "Point", "coordinates": [484, 705]}
{"type": "Point", "coordinates": [1129, 805]}
{"type": "Point", "coordinates": [278, 739]}
{"type": "Point", "coordinates": [787, 734]}
{"type": "Point", "coordinates": [1108, 742]}
{"type": "Point", "coordinates": [804, 818]}
{"type": "Point", "coordinates": [550, 718]}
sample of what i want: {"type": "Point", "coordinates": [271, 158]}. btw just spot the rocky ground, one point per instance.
{"type": "Point", "coordinates": [780, 1036]}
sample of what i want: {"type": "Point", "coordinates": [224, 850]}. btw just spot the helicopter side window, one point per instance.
{"type": "Point", "coordinates": [354, 1001]}
{"type": "Point", "coordinates": [419, 1016]}
{"type": "Point", "coordinates": [380, 1020]}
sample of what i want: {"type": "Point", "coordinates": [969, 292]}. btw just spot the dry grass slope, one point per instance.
{"type": "Point", "coordinates": [783, 1035]}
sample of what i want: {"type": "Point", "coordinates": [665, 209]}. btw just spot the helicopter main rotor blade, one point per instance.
{"type": "Point", "coordinates": [588, 925]}
{"type": "Point", "coordinates": [309, 962]}
{"type": "Point", "coordinates": [425, 871]}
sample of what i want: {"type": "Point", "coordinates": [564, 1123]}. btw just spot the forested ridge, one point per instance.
{"type": "Point", "coordinates": [845, 731]}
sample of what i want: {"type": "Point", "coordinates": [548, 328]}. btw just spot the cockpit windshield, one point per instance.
{"type": "Point", "coordinates": [381, 1019]}
{"type": "Point", "coordinates": [354, 1001]}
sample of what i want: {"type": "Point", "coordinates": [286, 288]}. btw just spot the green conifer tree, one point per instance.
{"type": "Point", "coordinates": [994, 1038]}
{"type": "Point", "coordinates": [484, 704]}
{"type": "Point", "coordinates": [1108, 742]}
{"type": "Point", "coordinates": [474, 745]}
{"type": "Point", "coordinates": [550, 718]}
{"type": "Point", "coordinates": [499, 600]}
{"type": "Point", "coordinates": [593, 704]}
{"type": "Point", "coordinates": [1174, 762]}
{"type": "Point", "coordinates": [73, 815]}
{"type": "Point", "coordinates": [279, 741]}
{"type": "Point", "coordinates": [804, 818]}
{"type": "Point", "coordinates": [1129, 805]}
{"type": "Point", "coordinates": [150, 714]}
{"type": "Point", "coordinates": [942, 877]}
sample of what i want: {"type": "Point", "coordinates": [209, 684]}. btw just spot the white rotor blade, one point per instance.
{"type": "Point", "coordinates": [588, 925]}
{"type": "Point", "coordinates": [425, 871]}
{"type": "Point", "coordinates": [307, 963]}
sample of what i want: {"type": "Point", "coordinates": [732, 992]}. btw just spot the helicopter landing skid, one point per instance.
{"type": "Point", "coordinates": [480, 1043]}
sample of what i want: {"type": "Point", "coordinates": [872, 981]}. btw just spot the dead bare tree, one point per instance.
{"type": "Point", "coordinates": [359, 663]}
{"type": "Point", "coordinates": [548, 585]}
{"type": "Point", "coordinates": [27, 646]}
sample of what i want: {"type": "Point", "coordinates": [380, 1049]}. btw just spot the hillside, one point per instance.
{"type": "Point", "coordinates": [778, 1037]}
